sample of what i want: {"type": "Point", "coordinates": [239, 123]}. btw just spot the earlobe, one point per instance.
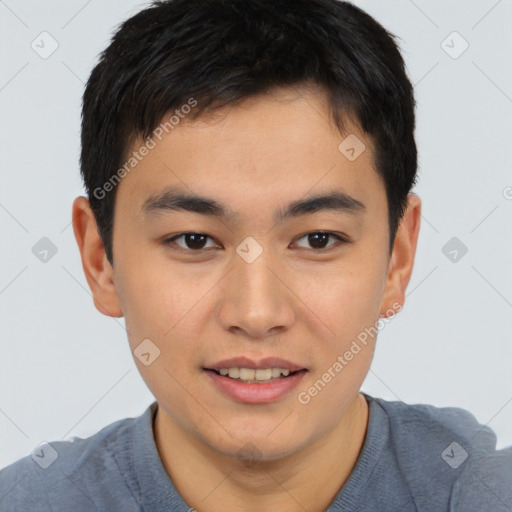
{"type": "Point", "coordinates": [402, 258]}
{"type": "Point", "coordinates": [97, 269]}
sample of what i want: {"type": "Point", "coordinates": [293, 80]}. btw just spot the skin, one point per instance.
{"type": "Point", "coordinates": [294, 301]}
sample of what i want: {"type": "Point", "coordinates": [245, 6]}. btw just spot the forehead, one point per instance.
{"type": "Point", "coordinates": [266, 149]}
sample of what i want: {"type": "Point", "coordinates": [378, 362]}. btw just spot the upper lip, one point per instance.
{"type": "Point", "coordinates": [244, 362]}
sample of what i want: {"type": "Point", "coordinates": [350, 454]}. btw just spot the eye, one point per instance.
{"type": "Point", "coordinates": [318, 239]}
{"type": "Point", "coordinates": [193, 241]}
{"type": "Point", "coordinates": [196, 242]}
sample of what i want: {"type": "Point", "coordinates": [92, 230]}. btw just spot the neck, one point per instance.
{"type": "Point", "coordinates": [308, 479]}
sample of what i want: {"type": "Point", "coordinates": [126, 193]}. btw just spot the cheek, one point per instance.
{"type": "Point", "coordinates": [346, 298]}
{"type": "Point", "coordinates": [350, 307]}
{"type": "Point", "coordinates": [151, 298]}
{"type": "Point", "coordinates": [158, 307]}
{"type": "Point", "coordinates": [348, 302]}
{"type": "Point", "coordinates": [164, 305]}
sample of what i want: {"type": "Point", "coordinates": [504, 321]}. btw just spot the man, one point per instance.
{"type": "Point", "coordinates": [249, 167]}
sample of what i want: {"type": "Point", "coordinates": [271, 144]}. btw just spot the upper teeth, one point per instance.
{"type": "Point", "coordinates": [251, 374]}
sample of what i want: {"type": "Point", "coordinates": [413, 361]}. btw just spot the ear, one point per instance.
{"type": "Point", "coordinates": [97, 269]}
{"type": "Point", "coordinates": [402, 257]}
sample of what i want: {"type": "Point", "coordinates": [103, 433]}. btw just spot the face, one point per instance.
{"type": "Point", "coordinates": [257, 270]}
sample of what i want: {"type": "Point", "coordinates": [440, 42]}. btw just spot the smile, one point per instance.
{"type": "Point", "coordinates": [255, 376]}
{"type": "Point", "coordinates": [251, 386]}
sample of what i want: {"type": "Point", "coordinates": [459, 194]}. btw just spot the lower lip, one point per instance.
{"type": "Point", "coordinates": [251, 393]}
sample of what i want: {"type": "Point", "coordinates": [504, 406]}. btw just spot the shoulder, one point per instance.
{"type": "Point", "coordinates": [63, 472]}
{"type": "Point", "coordinates": [446, 452]}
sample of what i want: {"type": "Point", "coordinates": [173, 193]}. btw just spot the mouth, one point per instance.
{"type": "Point", "coordinates": [243, 369]}
{"type": "Point", "coordinates": [246, 381]}
{"type": "Point", "coordinates": [258, 376]}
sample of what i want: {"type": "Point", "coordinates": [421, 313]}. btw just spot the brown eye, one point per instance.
{"type": "Point", "coordinates": [192, 241]}
{"type": "Point", "coordinates": [318, 239]}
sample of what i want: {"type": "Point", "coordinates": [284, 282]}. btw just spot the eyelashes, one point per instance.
{"type": "Point", "coordinates": [194, 242]}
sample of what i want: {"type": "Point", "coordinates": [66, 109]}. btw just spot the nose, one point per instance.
{"type": "Point", "coordinates": [257, 301]}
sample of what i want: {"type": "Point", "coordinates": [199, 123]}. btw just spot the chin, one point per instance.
{"type": "Point", "coordinates": [253, 449]}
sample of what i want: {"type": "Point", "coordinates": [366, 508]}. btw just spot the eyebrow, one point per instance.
{"type": "Point", "coordinates": [174, 199]}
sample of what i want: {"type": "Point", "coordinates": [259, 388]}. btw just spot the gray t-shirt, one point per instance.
{"type": "Point", "coordinates": [414, 458]}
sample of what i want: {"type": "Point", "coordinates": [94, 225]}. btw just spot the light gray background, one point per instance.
{"type": "Point", "coordinates": [66, 370]}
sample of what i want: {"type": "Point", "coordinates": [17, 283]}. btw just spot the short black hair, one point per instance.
{"type": "Point", "coordinates": [220, 52]}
